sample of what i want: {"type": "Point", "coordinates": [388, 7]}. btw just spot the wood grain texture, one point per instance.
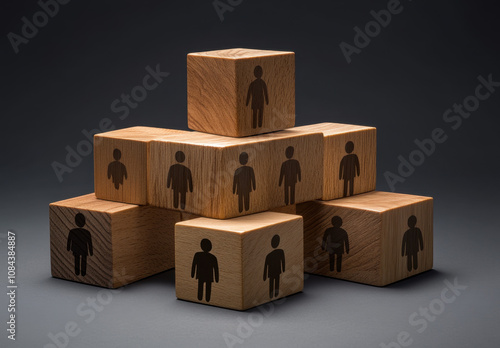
{"type": "Point", "coordinates": [129, 242]}
{"type": "Point", "coordinates": [218, 84]}
{"type": "Point", "coordinates": [288, 209]}
{"type": "Point", "coordinates": [336, 136]}
{"type": "Point", "coordinates": [214, 164]}
{"type": "Point", "coordinates": [132, 144]}
{"type": "Point", "coordinates": [375, 223]}
{"type": "Point", "coordinates": [241, 246]}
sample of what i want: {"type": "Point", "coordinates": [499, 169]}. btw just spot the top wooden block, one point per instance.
{"type": "Point", "coordinates": [240, 92]}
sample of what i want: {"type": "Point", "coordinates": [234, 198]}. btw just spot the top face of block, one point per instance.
{"type": "Point", "coordinates": [138, 133]}
{"type": "Point", "coordinates": [239, 53]}
{"type": "Point", "coordinates": [378, 201]}
{"type": "Point", "coordinates": [329, 128]}
{"type": "Point", "coordinates": [89, 202]}
{"type": "Point", "coordinates": [241, 224]}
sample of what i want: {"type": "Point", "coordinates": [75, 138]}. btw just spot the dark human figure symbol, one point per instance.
{"type": "Point", "coordinates": [274, 266]}
{"type": "Point", "coordinates": [413, 242]}
{"type": "Point", "coordinates": [258, 92]}
{"type": "Point", "coordinates": [205, 269]}
{"type": "Point", "coordinates": [117, 170]}
{"type": "Point", "coordinates": [336, 242]}
{"type": "Point", "coordinates": [243, 183]}
{"type": "Point", "coordinates": [180, 179]}
{"type": "Point", "coordinates": [80, 243]}
{"type": "Point", "coordinates": [349, 168]}
{"type": "Point", "coordinates": [290, 172]}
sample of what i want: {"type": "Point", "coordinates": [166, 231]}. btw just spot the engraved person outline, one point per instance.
{"type": "Point", "coordinates": [274, 266]}
{"type": "Point", "coordinates": [117, 170]}
{"type": "Point", "coordinates": [180, 179]}
{"type": "Point", "coordinates": [336, 242]}
{"type": "Point", "coordinates": [413, 242]}
{"type": "Point", "coordinates": [244, 183]}
{"type": "Point", "coordinates": [80, 243]}
{"type": "Point", "coordinates": [257, 91]}
{"type": "Point", "coordinates": [205, 269]}
{"type": "Point", "coordinates": [290, 172]}
{"type": "Point", "coordinates": [349, 168]}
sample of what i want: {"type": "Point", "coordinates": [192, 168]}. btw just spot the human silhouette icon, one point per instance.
{"type": "Point", "coordinates": [117, 170]}
{"type": "Point", "coordinates": [349, 168]}
{"type": "Point", "coordinates": [336, 242]}
{"type": "Point", "coordinates": [290, 174]}
{"type": "Point", "coordinates": [274, 266]}
{"type": "Point", "coordinates": [257, 91]}
{"type": "Point", "coordinates": [413, 242]}
{"type": "Point", "coordinates": [80, 243]}
{"type": "Point", "coordinates": [244, 183]}
{"type": "Point", "coordinates": [180, 180]}
{"type": "Point", "coordinates": [205, 269]}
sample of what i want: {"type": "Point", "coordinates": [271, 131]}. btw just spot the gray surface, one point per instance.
{"type": "Point", "coordinates": [427, 59]}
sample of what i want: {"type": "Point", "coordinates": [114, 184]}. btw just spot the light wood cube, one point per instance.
{"type": "Point", "coordinates": [109, 244]}
{"type": "Point", "coordinates": [240, 92]}
{"type": "Point", "coordinates": [239, 263]}
{"type": "Point", "coordinates": [350, 158]}
{"type": "Point", "coordinates": [120, 163]}
{"type": "Point", "coordinates": [374, 238]}
{"type": "Point", "coordinates": [222, 177]}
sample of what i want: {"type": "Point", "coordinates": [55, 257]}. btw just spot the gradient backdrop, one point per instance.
{"type": "Point", "coordinates": [64, 79]}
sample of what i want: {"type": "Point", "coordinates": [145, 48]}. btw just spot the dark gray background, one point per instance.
{"type": "Point", "coordinates": [428, 58]}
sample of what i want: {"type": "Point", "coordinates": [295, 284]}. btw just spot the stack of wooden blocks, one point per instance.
{"type": "Point", "coordinates": [245, 203]}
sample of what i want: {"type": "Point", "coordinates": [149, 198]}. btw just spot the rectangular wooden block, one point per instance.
{"type": "Point", "coordinates": [222, 177]}
{"type": "Point", "coordinates": [239, 263]}
{"type": "Point", "coordinates": [120, 163]}
{"type": "Point", "coordinates": [350, 158]}
{"type": "Point", "coordinates": [109, 244]}
{"type": "Point", "coordinates": [374, 238]}
{"type": "Point", "coordinates": [240, 92]}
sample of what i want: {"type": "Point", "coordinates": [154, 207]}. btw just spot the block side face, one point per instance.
{"type": "Point", "coordinates": [225, 256]}
{"type": "Point", "coordinates": [402, 255]}
{"type": "Point", "coordinates": [347, 173]}
{"type": "Point", "coordinates": [281, 267]}
{"type": "Point", "coordinates": [268, 91]}
{"type": "Point", "coordinates": [211, 88]}
{"type": "Point", "coordinates": [120, 170]}
{"type": "Point", "coordinates": [355, 245]}
{"type": "Point", "coordinates": [89, 258]}
{"type": "Point", "coordinates": [143, 243]}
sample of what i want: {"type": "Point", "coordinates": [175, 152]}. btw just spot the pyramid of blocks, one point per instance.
{"type": "Point", "coordinates": [245, 203]}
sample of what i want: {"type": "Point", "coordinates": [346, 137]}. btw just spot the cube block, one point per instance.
{"type": "Point", "coordinates": [109, 244]}
{"type": "Point", "coordinates": [240, 92]}
{"type": "Point", "coordinates": [239, 263]}
{"type": "Point", "coordinates": [374, 238]}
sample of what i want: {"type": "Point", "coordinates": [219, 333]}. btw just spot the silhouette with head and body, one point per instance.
{"type": "Point", "coordinates": [274, 266]}
{"type": "Point", "coordinates": [205, 269]}
{"type": "Point", "coordinates": [257, 91]}
{"type": "Point", "coordinates": [117, 170]}
{"type": "Point", "coordinates": [244, 183]}
{"type": "Point", "coordinates": [290, 174]}
{"type": "Point", "coordinates": [80, 243]}
{"type": "Point", "coordinates": [336, 242]}
{"type": "Point", "coordinates": [349, 168]}
{"type": "Point", "coordinates": [180, 179]}
{"type": "Point", "coordinates": [413, 242]}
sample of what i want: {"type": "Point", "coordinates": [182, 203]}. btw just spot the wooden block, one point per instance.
{"type": "Point", "coordinates": [287, 209]}
{"type": "Point", "coordinates": [240, 92]}
{"type": "Point", "coordinates": [107, 243]}
{"type": "Point", "coordinates": [350, 158]}
{"type": "Point", "coordinates": [374, 238]}
{"type": "Point", "coordinates": [120, 163]}
{"type": "Point", "coordinates": [239, 263]}
{"type": "Point", "coordinates": [222, 177]}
